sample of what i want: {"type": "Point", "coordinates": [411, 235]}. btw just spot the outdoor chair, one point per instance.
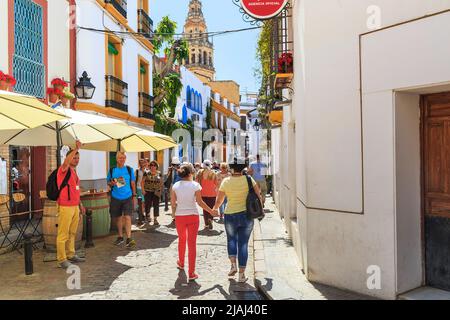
{"type": "Point", "coordinates": [5, 226]}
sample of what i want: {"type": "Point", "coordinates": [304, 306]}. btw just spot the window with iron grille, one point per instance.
{"type": "Point", "coordinates": [282, 43]}
{"type": "Point", "coordinates": [28, 58]}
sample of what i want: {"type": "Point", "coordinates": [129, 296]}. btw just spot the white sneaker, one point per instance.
{"type": "Point", "coordinates": [242, 278]}
{"type": "Point", "coordinates": [233, 270]}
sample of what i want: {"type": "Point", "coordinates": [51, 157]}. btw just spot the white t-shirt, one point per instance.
{"type": "Point", "coordinates": [185, 192]}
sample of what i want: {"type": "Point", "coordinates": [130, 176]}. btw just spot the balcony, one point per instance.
{"type": "Point", "coordinates": [282, 50]}
{"type": "Point", "coordinates": [119, 5]}
{"type": "Point", "coordinates": [116, 93]}
{"type": "Point", "coordinates": [145, 24]}
{"type": "Point", "coordinates": [200, 65]}
{"type": "Point", "coordinates": [146, 106]}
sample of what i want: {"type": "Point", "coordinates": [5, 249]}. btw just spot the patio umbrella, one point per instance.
{"type": "Point", "coordinates": [20, 112]}
{"type": "Point", "coordinates": [82, 126]}
{"type": "Point", "coordinates": [140, 141]}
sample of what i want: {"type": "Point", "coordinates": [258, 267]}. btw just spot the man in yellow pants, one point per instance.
{"type": "Point", "coordinates": [69, 207]}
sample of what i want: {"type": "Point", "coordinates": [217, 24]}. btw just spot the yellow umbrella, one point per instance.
{"type": "Point", "coordinates": [19, 112]}
{"type": "Point", "coordinates": [141, 141]}
{"type": "Point", "coordinates": [85, 127]}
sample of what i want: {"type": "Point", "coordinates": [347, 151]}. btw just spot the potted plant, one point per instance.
{"type": "Point", "coordinates": [54, 95]}
{"type": "Point", "coordinates": [6, 81]}
{"type": "Point", "coordinates": [286, 63]}
{"type": "Point", "coordinates": [59, 84]}
{"type": "Point", "coordinates": [66, 97]}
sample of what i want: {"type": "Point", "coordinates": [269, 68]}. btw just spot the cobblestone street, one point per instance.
{"type": "Point", "coordinates": [146, 272]}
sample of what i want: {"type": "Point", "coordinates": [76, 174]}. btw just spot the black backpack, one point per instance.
{"type": "Point", "coordinates": [52, 189]}
{"type": "Point", "coordinates": [112, 170]}
{"type": "Point", "coordinates": [254, 206]}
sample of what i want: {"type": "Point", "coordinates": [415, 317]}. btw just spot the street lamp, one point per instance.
{"type": "Point", "coordinates": [84, 89]}
{"type": "Point", "coordinates": [256, 125]}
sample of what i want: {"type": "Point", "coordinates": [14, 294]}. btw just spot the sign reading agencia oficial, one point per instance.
{"type": "Point", "coordinates": [263, 9]}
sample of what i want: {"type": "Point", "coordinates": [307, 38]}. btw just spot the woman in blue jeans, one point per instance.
{"type": "Point", "coordinates": [237, 226]}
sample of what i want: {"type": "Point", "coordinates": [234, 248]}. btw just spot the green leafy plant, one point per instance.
{"type": "Point", "coordinates": [167, 83]}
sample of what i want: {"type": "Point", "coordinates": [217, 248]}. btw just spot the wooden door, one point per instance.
{"type": "Point", "coordinates": [436, 188]}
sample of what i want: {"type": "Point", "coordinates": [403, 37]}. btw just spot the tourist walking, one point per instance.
{"type": "Point", "coordinates": [207, 178]}
{"type": "Point", "coordinates": [258, 171]}
{"type": "Point", "coordinates": [143, 169]}
{"type": "Point", "coordinates": [153, 186]}
{"type": "Point", "coordinates": [172, 177]}
{"type": "Point", "coordinates": [224, 173]}
{"type": "Point", "coordinates": [69, 208]}
{"type": "Point", "coordinates": [185, 195]}
{"type": "Point", "coordinates": [238, 226]}
{"type": "Point", "coordinates": [122, 182]}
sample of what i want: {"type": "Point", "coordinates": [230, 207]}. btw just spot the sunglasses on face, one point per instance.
{"type": "Point", "coordinates": [152, 165]}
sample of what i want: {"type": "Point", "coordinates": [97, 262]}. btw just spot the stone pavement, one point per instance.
{"type": "Point", "coordinates": [146, 272]}
{"type": "Point", "coordinates": [278, 273]}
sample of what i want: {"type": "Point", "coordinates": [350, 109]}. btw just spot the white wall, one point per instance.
{"type": "Point", "coordinates": [4, 61]}
{"type": "Point", "coordinates": [58, 40]}
{"type": "Point", "coordinates": [91, 53]}
{"type": "Point", "coordinates": [408, 217]}
{"type": "Point", "coordinates": [92, 165]}
{"type": "Point", "coordinates": [338, 246]}
{"type": "Point", "coordinates": [91, 58]}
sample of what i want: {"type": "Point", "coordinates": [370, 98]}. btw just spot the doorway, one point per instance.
{"type": "Point", "coordinates": [435, 137]}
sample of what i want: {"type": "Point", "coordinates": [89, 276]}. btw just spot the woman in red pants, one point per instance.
{"type": "Point", "coordinates": [185, 195]}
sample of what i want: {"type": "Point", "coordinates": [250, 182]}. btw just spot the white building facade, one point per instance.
{"type": "Point", "coordinates": [359, 212]}
{"type": "Point", "coordinates": [191, 105]}
{"type": "Point", "coordinates": [119, 64]}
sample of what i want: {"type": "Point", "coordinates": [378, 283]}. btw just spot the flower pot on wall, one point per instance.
{"type": "Point", "coordinates": [4, 85]}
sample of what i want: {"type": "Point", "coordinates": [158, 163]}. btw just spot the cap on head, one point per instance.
{"type": "Point", "coordinates": [207, 164]}
{"type": "Point", "coordinates": [176, 161]}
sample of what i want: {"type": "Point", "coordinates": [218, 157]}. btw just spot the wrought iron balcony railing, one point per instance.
{"type": "Point", "coordinates": [116, 93]}
{"type": "Point", "coordinates": [282, 49]}
{"type": "Point", "coordinates": [120, 5]}
{"type": "Point", "coordinates": [146, 106]}
{"type": "Point", "coordinates": [145, 24]}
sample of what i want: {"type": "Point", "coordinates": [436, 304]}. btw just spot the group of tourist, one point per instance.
{"type": "Point", "coordinates": [219, 189]}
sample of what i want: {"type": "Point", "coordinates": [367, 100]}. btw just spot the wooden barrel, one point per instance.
{"type": "Point", "coordinates": [4, 217]}
{"type": "Point", "coordinates": [50, 227]}
{"type": "Point", "coordinates": [101, 220]}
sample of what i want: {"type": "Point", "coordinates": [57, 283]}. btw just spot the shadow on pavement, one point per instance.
{"type": "Point", "coordinates": [186, 290]}
{"type": "Point", "coordinates": [210, 233]}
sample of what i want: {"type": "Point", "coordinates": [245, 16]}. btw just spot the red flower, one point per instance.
{"type": "Point", "coordinates": [59, 82]}
{"type": "Point", "coordinates": [58, 92]}
{"type": "Point", "coordinates": [11, 80]}
{"type": "Point", "coordinates": [2, 76]}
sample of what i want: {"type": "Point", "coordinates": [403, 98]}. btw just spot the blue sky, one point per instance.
{"type": "Point", "coordinates": [234, 53]}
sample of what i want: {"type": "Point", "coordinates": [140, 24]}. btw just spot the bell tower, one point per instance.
{"type": "Point", "coordinates": [201, 49]}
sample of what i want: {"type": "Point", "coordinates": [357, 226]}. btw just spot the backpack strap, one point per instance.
{"type": "Point", "coordinates": [129, 172]}
{"type": "Point", "coordinates": [65, 182]}
{"type": "Point", "coordinates": [249, 182]}
{"type": "Point", "coordinates": [111, 171]}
